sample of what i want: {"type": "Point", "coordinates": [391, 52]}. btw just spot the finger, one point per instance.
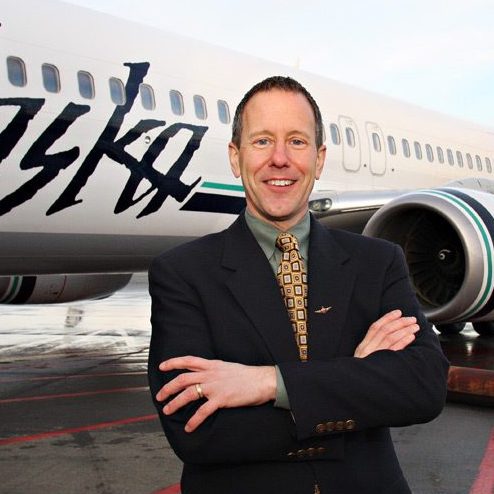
{"type": "Point", "coordinates": [403, 343]}
{"type": "Point", "coordinates": [396, 335]}
{"type": "Point", "coordinates": [202, 413]}
{"type": "Point", "coordinates": [387, 337]}
{"type": "Point", "coordinates": [187, 362]}
{"type": "Point", "coordinates": [178, 384]}
{"type": "Point", "coordinates": [376, 326]}
{"type": "Point", "coordinates": [184, 398]}
{"type": "Point", "coordinates": [385, 319]}
{"type": "Point", "coordinates": [387, 330]}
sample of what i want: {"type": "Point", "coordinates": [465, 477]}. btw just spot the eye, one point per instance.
{"type": "Point", "coordinates": [261, 142]}
{"type": "Point", "coordinates": [297, 141]}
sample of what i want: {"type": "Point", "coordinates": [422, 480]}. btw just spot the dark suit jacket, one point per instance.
{"type": "Point", "coordinates": [217, 297]}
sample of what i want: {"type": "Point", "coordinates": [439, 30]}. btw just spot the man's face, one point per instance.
{"type": "Point", "coordinates": [278, 159]}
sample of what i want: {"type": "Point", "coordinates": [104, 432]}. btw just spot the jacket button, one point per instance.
{"type": "Point", "coordinates": [350, 425]}
{"type": "Point", "coordinates": [301, 453]}
{"type": "Point", "coordinates": [320, 428]}
{"type": "Point", "coordinates": [291, 455]}
{"type": "Point", "coordinates": [311, 451]}
{"type": "Point", "coordinates": [330, 426]}
{"type": "Point", "coordinates": [321, 450]}
{"type": "Point", "coordinates": [340, 425]}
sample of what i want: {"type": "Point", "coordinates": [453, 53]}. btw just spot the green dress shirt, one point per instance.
{"type": "Point", "coordinates": [266, 236]}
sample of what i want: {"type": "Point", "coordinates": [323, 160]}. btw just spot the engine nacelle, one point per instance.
{"type": "Point", "coordinates": [58, 288]}
{"type": "Point", "coordinates": [447, 237]}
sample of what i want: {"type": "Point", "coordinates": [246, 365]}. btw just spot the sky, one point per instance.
{"type": "Point", "coordinates": [438, 54]}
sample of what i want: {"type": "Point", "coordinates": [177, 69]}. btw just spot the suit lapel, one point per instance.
{"type": "Point", "coordinates": [331, 280]}
{"type": "Point", "coordinates": [255, 288]}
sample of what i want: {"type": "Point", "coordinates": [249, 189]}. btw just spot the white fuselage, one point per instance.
{"type": "Point", "coordinates": [69, 172]}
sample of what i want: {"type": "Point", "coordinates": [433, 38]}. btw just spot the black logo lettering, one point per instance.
{"type": "Point", "coordinates": [161, 185]}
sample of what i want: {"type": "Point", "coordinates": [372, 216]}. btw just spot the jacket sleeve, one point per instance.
{"type": "Point", "coordinates": [180, 327]}
{"type": "Point", "coordinates": [387, 388]}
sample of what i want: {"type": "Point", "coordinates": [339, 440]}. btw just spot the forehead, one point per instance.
{"type": "Point", "coordinates": [278, 109]}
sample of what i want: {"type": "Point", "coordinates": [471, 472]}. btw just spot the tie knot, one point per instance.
{"type": "Point", "coordinates": [286, 242]}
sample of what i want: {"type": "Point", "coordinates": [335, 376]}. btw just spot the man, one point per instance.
{"type": "Point", "coordinates": [254, 400]}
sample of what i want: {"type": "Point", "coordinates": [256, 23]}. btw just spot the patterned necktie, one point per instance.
{"type": "Point", "coordinates": [292, 279]}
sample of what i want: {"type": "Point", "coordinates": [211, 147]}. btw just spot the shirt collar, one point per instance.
{"type": "Point", "coordinates": [266, 234]}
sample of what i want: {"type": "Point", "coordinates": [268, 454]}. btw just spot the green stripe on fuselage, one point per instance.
{"type": "Point", "coordinates": [216, 185]}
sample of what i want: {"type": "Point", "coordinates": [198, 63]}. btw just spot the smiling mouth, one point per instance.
{"type": "Point", "coordinates": [280, 183]}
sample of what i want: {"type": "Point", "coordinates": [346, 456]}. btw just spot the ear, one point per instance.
{"type": "Point", "coordinates": [321, 157]}
{"type": "Point", "coordinates": [233, 153]}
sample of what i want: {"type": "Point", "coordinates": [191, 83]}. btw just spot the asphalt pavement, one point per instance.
{"type": "Point", "coordinates": [76, 414]}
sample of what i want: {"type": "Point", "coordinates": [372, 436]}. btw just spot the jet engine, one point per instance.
{"type": "Point", "coordinates": [447, 237]}
{"type": "Point", "coordinates": [57, 288]}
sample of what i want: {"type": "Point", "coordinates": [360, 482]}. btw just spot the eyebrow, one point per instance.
{"type": "Point", "coordinates": [258, 133]}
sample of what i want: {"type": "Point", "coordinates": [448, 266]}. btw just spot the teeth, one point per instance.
{"type": "Point", "coordinates": [281, 183]}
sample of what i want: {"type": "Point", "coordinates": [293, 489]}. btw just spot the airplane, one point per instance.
{"type": "Point", "coordinates": [113, 148]}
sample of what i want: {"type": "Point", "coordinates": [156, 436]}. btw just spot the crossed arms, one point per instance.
{"type": "Point", "coordinates": [233, 385]}
{"type": "Point", "coordinates": [396, 375]}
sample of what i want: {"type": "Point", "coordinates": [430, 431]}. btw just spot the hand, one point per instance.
{"type": "Point", "coordinates": [390, 332]}
{"type": "Point", "coordinates": [223, 384]}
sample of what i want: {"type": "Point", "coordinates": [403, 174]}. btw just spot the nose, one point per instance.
{"type": "Point", "coordinates": [280, 155]}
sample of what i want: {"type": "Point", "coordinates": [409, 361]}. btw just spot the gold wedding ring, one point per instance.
{"type": "Point", "coordinates": [199, 391]}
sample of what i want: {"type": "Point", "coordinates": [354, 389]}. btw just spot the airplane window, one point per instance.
{"type": "Point", "coordinates": [418, 150]}
{"type": "Point", "coordinates": [406, 148]}
{"type": "Point", "coordinates": [16, 71]}
{"type": "Point", "coordinates": [147, 97]}
{"type": "Point", "coordinates": [51, 78]}
{"type": "Point", "coordinates": [469, 161]}
{"type": "Point", "coordinates": [86, 84]}
{"type": "Point", "coordinates": [429, 152]}
{"type": "Point", "coordinates": [451, 159]}
{"type": "Point", "coordinates": [223, 112]}
{"type": "Point", "coordinates": [376, 142]}
{"type": "Point", "coordinates": [459, 158]}
{"type": "Point", "coordinates": [488, 165]}
{"type": "Point", "coordinates": [440, 154]}
{"type": "Point", "coordinates": [177, 102]}
{"type": "Point", "coordinates": [117, 91]}
{"type": "Point", "coordinates": [350, 137]}
{"type": "Point", "coordinates": [200, 107]}
{"type": "Point", "coordinates": [479, 162]}
{"type": "Point", "coordinates": [391, 145]}
{"type": "Point", "coordinates": [335, 134]}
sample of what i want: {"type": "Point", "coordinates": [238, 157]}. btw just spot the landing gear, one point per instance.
{"type": "Point", "coordinates": [451, 328]}
{"type": "Point", "coordinates": [484, 328]}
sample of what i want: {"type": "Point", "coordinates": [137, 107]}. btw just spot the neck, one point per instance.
{"type": "Point", "coordinates": [282, 224]}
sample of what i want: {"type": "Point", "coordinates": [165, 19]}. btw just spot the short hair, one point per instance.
{"type": "Point", "coordinates": [284, 84]}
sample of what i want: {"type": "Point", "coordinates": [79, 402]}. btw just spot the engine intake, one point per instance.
{"type": "Point", "coordinates": [447, 237]}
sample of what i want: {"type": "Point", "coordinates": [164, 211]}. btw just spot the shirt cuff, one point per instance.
{"type": "Point", "coordinates": [282, 400]}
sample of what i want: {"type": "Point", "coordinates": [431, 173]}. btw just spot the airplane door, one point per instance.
{"type": "Point", "coordinates": [351, 144]}
{"type": "Point", "coordinates": [377, 149]}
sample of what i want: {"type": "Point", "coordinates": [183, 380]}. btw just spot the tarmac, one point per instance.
{"type": "Point", "coordinates": [76, 414]}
